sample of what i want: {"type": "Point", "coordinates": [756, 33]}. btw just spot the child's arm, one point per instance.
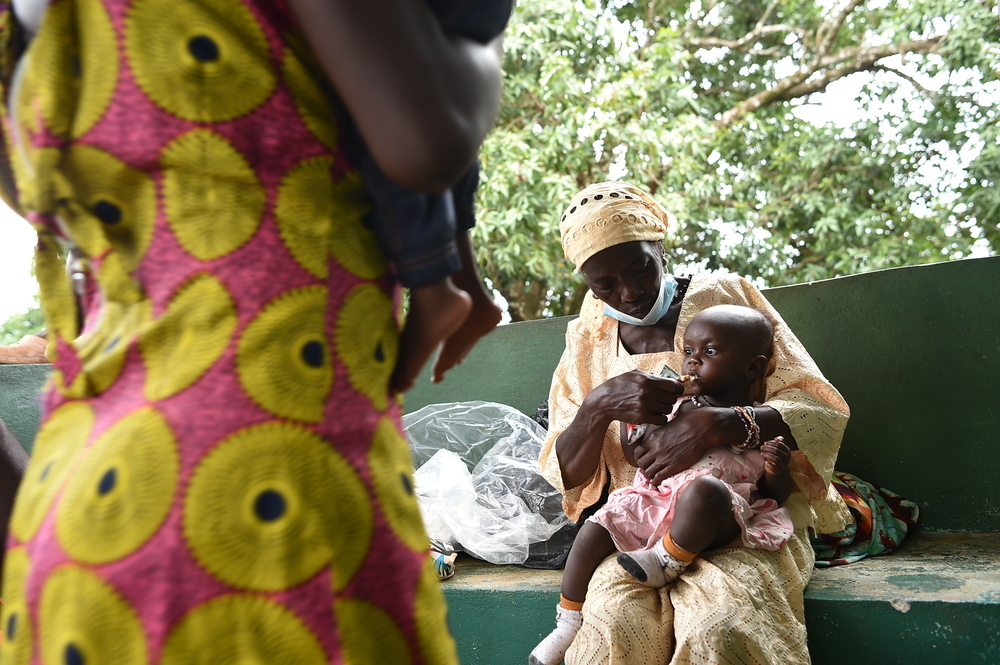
{"type": "Point", "coordinates": [776, 483]}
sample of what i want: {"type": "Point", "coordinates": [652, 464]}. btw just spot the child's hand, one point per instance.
{"type": "Point", "coordinates": [776, 454]}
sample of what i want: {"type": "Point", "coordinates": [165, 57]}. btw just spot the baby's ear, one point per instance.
{"type": "Point", "coordinates": [757, 367]}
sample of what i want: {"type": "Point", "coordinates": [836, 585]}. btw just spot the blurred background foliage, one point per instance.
{"type": "Point", "coordinates": [701, 103]}
{"type": "Point", "coordinates": [29, 322]}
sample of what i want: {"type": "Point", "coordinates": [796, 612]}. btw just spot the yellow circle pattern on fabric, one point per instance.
{"type": "Point", "coordinates": [57, 445]}
{"type": "Point", "coordinates": [368, 341]}
{"type": "Point", "coordinates": [41, 163]}
{"type": "Point", "coordinates": [111, 196]}
{"type": "Point", "coordinates": [369, 635]}
{"type": "Point", "coordinates": [15, 625]}
{"type": "Point", "coordinates": [392, 472]}
{"type": "Point", "coordinates": [84, 620]}
{"type": "Point", "coordinates": [204, 62]}
{"type": "Point", "coordinates": [73, 66]}
{"type": "Point", "coordinates": [431, 616]}
{"type": "Point", "coordinates": [351, 243]}
{"type": "Point", "coordinates": [189, 338]}
{"type": "Point", "coordinates": [272, 505]}
{"type": "Point", "coordinates": [283, 358]}
{"type": "Point", "coordinates": [244, 630]}
{"type": "Point", "coordinates": [103, 350]}
{"type": "Point", "coordinates": [304, 212]}
{"type": "Point", "coordinates": [213, 198]}
{"type": "Point", "coordinates": [311, 100]}
{"type": "Point", "coordinates": [121, 491]}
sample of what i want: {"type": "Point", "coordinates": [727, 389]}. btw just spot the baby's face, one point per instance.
{"type": "Point", "coordinates": [717, 357]}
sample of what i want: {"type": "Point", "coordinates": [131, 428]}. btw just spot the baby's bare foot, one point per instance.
{"type": "Point", "coordinates": [483, 318]}
{"type": "Point", "coordinates": [437, 311]}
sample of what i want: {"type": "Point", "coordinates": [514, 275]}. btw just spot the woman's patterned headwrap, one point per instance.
{"type": "Point", "coordinates": [606, 214]}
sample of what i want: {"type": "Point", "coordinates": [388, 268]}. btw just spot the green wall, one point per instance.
{"type": "Point", "coordinates": [916, 354]}
{"type": "Point", "coordinates": [19, 386]}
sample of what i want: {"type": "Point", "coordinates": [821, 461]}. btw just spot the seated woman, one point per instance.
{"type": "Point", "coordinates": [730, 605]}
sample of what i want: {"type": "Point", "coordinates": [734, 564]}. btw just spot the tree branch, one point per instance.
{"type": "Point", "coordinates": [906, 77]}
{"type": "Point", "coordinates": [858, 60]}
{"type": "Point", "coordinates": [699, 43]}
{"type": "Point", "coordinates": [702, 43]}
{"type": "Point", "coordinates": [767, 14]}
{"type": "Point", "coordinates": [827, 33]}
{"type": "Point", "coordinates": [801, 83]}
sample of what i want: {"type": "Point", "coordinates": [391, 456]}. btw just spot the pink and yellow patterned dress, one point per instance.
{"type": "Point", "coordinates": [219, 476]}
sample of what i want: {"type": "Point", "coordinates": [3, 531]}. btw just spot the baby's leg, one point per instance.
{"type": "Point", "coordinates": [593, 545]}
{"type": "Point", "coordinates": [436, 312]}
{"type": "Point", "coordinates": [483, 318]}
{"type": "Point", "coordinates": [703, 516]}
{"type": "Point", "coordinates": [703, 519]}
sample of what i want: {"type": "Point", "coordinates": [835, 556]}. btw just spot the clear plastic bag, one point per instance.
{"type": "Point", "coordinates": [479, 484]}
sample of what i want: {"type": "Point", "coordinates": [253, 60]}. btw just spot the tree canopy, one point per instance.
{"type": "Point", "coordinates": [700, 103]}
{"type": "Point", "coordinates": [29, 322]}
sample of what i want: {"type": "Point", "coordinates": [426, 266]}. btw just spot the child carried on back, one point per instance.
{"type": "Point", "coordinates": [426, 236]}
{"type": "Point", "coordinates": [730, 498]}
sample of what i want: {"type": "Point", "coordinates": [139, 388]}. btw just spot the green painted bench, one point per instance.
{"type": "Point", "coordinates": [915, 351]}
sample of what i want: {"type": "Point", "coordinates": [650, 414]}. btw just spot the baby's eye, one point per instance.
{"type": "Point", "coordinates": [687, 351]}
{"type": "Point", "coordinates": [709, 351]}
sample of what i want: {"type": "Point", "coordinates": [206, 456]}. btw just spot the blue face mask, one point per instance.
{"type": "Point", "coordinates": [668, 286]}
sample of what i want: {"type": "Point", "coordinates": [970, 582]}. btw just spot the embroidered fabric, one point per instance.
{"type": "Point", "coordinates": [756, 614]}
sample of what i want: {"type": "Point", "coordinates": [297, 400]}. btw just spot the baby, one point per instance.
{"type": "Point", "coordinates": [426, 236]}
{"type": "Point", "coordinates": [730, 498]}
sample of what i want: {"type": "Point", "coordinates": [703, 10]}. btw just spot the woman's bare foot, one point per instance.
{"type": "Point", "coordinates": [437, 311]}
{"type": "Point", "coordinates": [483, 318]}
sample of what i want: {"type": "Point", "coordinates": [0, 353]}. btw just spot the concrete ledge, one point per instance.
{"type": "Point", "coordinates": [936, 600]}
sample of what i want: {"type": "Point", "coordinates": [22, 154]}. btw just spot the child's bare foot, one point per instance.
{"type": "Point", "coordinates": [483, 318]}
{"type": "Point", "coordinates": [437, 311]}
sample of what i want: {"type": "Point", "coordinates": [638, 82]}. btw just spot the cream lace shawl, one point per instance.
{"type": "Point", "coordinates": [812, 408]}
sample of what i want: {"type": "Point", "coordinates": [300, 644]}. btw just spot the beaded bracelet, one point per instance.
{"type": "Point", "coordinates": [749, 420]}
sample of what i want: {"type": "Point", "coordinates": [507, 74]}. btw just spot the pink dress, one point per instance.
{"type": "Point", "coordinates": [638, 516]}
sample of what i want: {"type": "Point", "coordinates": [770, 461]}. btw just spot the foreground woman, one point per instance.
{"type": "Point", "coordinates": [731, 605]}
{"type": "Point", "coordinates": [219, 476]}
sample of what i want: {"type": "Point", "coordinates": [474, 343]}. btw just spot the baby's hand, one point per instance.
{"type": "Point", "coordinates": [776, 454]}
